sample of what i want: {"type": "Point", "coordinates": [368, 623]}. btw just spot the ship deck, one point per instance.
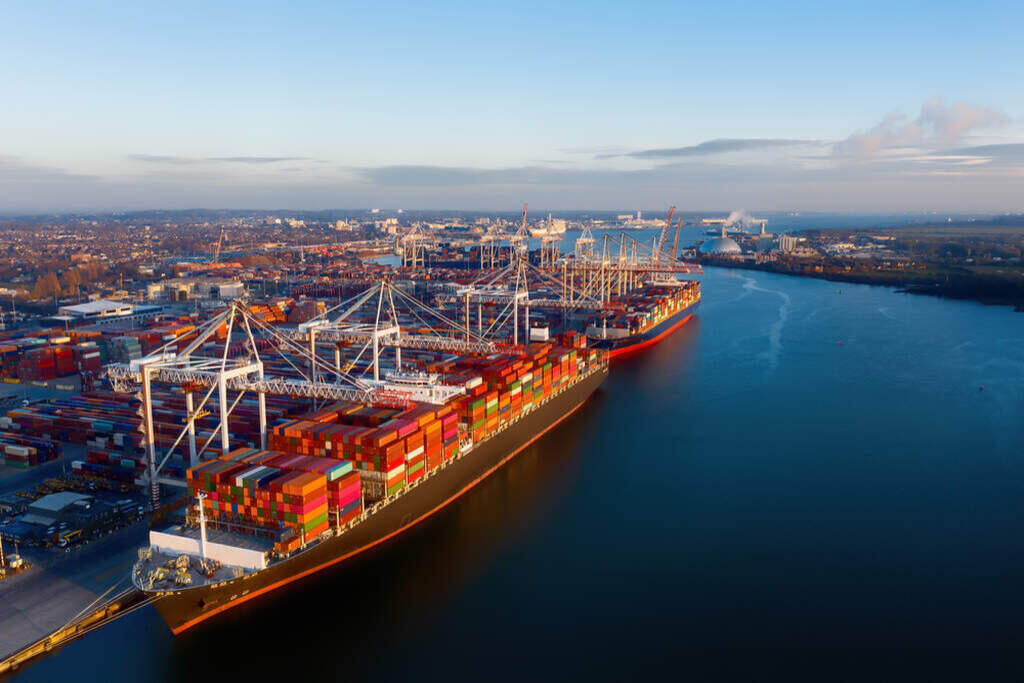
{"type": "Point", "coordinates": [165, 570]}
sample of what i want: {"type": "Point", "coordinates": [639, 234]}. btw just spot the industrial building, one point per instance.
{"type": "Point", "coordinates": [190, 288]}
{"type": "Point", "coordinates": [100, 308]}
{"type": "Point", "coordinates": [65, 513]}
{"type": "Point", "coordinates": [104, 312]}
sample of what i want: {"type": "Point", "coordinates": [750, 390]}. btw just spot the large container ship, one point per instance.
{"type": "Point", "coordinates": [411, 466]}
{"type": "Point", "coordinates": [643, 318]}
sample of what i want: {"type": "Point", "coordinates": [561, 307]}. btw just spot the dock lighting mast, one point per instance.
{"type": "Point", "coordinates": [201, 496]}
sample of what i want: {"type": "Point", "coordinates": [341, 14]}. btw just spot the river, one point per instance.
{"type": "Point", "coordinates": [811, 479]}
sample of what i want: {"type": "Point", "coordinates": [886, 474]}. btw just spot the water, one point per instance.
{"type": "Point", "coordinates": [803, 482]}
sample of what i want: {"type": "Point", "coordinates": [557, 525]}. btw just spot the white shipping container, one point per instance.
{"type": "Point", "coordinates": [413, 453]}
{"type": "Point", "coordinates": [228, 555]}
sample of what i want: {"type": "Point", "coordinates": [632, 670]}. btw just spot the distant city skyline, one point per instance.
{"type": "Point", "coordinates": [575, 106]}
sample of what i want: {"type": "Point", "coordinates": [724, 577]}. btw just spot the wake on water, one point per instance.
{"type": "Point", "coordinates": [775, 331]}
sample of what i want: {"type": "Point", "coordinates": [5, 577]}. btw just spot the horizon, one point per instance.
{"type": "Point", "coordinates": [460, 107]}
{"type": "Point", "coordinates": [533, 214]}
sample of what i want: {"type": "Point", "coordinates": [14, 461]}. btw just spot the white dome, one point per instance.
{"type": "Point", "coordinates": [721, 245]}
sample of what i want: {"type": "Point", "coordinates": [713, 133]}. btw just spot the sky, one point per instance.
{"type": "Point", "coordinates": [782, 106]}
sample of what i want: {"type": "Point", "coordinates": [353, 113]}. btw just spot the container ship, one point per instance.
{"type": "Point", "coordinates": [644, 317]}
{"type": "Point", "coordinates": [349, 476]}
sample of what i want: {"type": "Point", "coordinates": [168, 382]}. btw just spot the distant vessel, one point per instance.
{"type": "Point", "coordinates": [550, 227]}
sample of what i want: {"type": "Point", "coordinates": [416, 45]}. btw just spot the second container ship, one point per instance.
{"type": "Point", "coordinates": [644, 317]}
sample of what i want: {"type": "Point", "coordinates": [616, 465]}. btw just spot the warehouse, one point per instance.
{"type": "Point", "coordinates": [61, 513]}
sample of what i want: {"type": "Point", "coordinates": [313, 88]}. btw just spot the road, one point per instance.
{"type": "Point", "coordinates": [60, 585]}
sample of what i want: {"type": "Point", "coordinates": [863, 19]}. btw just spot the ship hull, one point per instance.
{"type": "Point", "coordinates": [624, 346]}
{"type": "Point", "coordinates": [187, 608]}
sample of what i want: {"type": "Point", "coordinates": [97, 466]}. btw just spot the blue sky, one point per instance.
{"type": "Point", "coordinates": [864, 106]}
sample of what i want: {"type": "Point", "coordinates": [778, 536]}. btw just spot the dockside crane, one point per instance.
{"type": "Point", "coordinates": [660, 247]}
{"type": "Point", "coordinates": [320, 379]}
{"type": "Point", "coordinates": [675, 242]}
{"type": "Point", "coordinates": [216, 253]}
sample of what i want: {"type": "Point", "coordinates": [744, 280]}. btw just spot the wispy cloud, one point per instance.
{"type": "Point", "coordinates": [937, 126]}
{"type": "Point", "coordinates": [187, 161]}
{"type": "Point", "coordinates": [16, 169]}
{"type": "Point", "coordinates": [711, 147]}
{"type": "Point", "coordinates": [458, 176]}
{"type": "Point", "coordinates": [256, 160]}
{"type": "Point", "coordinates": [1010, 151]}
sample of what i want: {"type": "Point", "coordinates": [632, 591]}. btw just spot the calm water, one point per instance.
{"type": "Point", "coordinates": [804, 482]}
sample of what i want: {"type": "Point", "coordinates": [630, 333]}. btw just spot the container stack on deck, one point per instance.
{"type": "Point", "coordinates": [390, 447]}
{"type": "Point", "coordinates": [648, 306]}
{"type": "Point", "coordinates": [286, 496]}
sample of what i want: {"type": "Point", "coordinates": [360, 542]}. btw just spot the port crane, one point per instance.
{"type": "Point", "coordinates": [216, 253]}
{"type": "Point", "coordinates": [659, 246]}
{"type": "Point", "coordinates": [314, 377]}
{"type": "Point", "coordinates": [414, 247]}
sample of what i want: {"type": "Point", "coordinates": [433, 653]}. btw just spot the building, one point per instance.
{"type": "Point", "coordinates": [101, 308]}
{"type": "Point", "coordinates": [62, 513]}
{"type": "Point", "coordinates": [191, 288]}
{"type": "Point", "coordinates": [722, 245]}
{"type": "Point", "coordinates": [788, 243]}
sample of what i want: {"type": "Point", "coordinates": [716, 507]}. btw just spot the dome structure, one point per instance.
{"type": "Point", "coordinates": [721, 245]}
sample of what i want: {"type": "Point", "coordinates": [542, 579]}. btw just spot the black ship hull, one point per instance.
{"type": "Point", "coordinates": [186, 608]}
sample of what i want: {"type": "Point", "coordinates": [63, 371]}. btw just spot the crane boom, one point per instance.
{"type": "Point", "coordinates": [216, 254]}
{"type": "Point", "coordinates": [675, 242]}
{"type": "Point", "coordinates": [664, 232]}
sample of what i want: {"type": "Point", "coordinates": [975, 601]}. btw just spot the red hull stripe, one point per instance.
{"type": "Point", "coordinates": [625, 350]}
{"type": "Point", "coordinates": [228, 605]}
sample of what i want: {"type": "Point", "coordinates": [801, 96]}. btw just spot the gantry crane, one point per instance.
{"type": "Point", "coordinates": [318, 380]}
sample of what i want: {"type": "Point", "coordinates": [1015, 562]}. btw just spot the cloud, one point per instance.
{"type": "Point", "coordinates": [1010, 151]}
{"type": "Point", "coordinates": [710, 147]}
{"type": "Point", "coordinates": [949, 124]}
{"type": "Point", "coordinates": [186, 161]}
{"type": "Point", "coordinates": [460, 176]}
{"type": "Point", "coordinates": [17, 170]}
{"type": "Point", "coordinates": [256, 160]}
{"type": "Point", "coordinates": [935, 127]}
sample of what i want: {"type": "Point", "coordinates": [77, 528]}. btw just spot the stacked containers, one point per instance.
{"type": "Point", "coordinates": [264, 497]}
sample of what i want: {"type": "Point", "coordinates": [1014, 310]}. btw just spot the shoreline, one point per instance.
{"type": "Point", "coordinates": [950, 284]}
